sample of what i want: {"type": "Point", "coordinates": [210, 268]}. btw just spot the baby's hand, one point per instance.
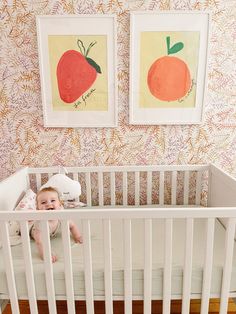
{"type": "Point", "coordinates": [78, 239]}
{"type": "Point", "coordinates": [54, 258]}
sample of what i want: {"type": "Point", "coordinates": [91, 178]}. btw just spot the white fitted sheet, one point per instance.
{"type": "Point", "coordinates": [118, 262]}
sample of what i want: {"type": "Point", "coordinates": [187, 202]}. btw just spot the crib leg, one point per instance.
{"type": "Point", "coordinates": [3, 304]}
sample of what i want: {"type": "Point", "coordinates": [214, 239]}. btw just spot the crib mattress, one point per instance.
{"type": "Point", "coordinates": [118, 262]}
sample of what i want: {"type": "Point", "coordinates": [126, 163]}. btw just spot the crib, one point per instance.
{"type": "Point", "coordinates": [150, 233]}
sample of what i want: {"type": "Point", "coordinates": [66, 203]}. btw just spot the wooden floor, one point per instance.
{"type": "Point", "coordinates": [118, 307]}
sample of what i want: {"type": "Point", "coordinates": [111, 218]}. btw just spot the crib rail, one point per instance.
{"type": "Point", "coordinates": [134, 185]}
{"type": "Point", "coordinates": [127, 215]}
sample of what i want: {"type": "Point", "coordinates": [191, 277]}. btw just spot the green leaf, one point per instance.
{"type": "Point", "coordinates": [177, 47]}
{"type": "Point", "coordinates": [94, 64]}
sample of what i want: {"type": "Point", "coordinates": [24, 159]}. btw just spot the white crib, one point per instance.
{"type": "Point", "coordinates": [150, 233]}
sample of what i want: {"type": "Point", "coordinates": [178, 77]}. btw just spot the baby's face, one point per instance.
{"type": "Point", "coordinates": [48, 201]}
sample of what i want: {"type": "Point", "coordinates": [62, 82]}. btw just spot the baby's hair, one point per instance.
{"type": "Point", "coordinates": [48, 189]}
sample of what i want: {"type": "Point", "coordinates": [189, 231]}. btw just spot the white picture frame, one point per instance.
{"type": "Point", "coordinates": [77, 58]}
{"type": "Point", "coordinates": [155, 97]}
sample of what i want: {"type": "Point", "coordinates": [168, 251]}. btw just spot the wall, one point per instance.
{"type": "Point", "coordinates": [25, 141]}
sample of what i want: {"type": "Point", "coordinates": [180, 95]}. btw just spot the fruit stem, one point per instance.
{"type": "Point", "coordinates": [89, 47]}
{"type": "Point", "coordinates": [85, 54]}
{"type": "Point", "coordinates": [82, 48]}
{"type": "Point", "coordinates": [174, 49]}
{"type": "Point", "coordinates": [168, 44]}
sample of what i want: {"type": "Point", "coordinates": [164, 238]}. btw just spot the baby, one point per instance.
{"type": "Point", "coordinates": [48, 199]}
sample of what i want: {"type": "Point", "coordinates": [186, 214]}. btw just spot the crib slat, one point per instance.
{"type": "Point", "coordinates": [167, 266]}
{"type": "Point", "coordinates": [75, 176]}
{"type": "Point", "coordinates": [186, 187]}
{"type": "Point", "coordinates": [113, 189]}
{"type": "Point", "coordinates": [88, 267]}
{"type": "Point", "coordinates": [208, 266]}
{"type": "Point", "coordinates": [38, 181]}
{"type": "Point", "coordinates": [173, 187]}
{"type": "Point", "coordinates": [29, 267]}
{"type": "Point", "coordinates": [9, 267]}
{"type": "Point", "coordinates": [161, 187]}
{"type": "Point", "coordinates": [148, 267]}
{"type": "Point", "coordinates": [125, 189]}
{"type": "Point", "coordinates": [128, 265]}
{"type": "Point", "coordinates": [198, 188]}
{"type": "Point", "coordinates": [68, 267]}
{"type": "Point", "coordinates": [187, 266]}
{"type": "Point", "coordinates": [88, 189]}
{"type": "Point", "coordinates": [229, 247]}
{"type": "Point", "coordinates": [149, 188]}
{"type": "Point", "coordinates": [48, 267]}
{"type": "Point", "coordinates": [137, 187]}
{"type": "Point", "coordinates": [100, 188]}
{"type": "Point", "coordinates": [107, 266]}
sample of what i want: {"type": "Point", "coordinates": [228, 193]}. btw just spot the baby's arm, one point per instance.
{"type": "Point", "coordinates": [36, 234]}
{"type": "Point", "coordinates": [75, 232]}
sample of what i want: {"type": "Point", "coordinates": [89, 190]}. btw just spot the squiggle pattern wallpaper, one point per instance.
{"type": "Point", "coordinates": [25, 141]}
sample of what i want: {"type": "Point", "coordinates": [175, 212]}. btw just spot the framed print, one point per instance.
{"type": "Point", "coordinates": [168, 62]}
{"type": "Point", "coordinates": [77, 56]}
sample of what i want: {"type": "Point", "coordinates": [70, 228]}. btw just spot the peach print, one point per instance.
{"type": "Point", "coordinates": [169, 77]}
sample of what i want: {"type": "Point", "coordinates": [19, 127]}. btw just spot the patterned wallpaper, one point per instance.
{"type": "Point", "coordinates": [25, 141]}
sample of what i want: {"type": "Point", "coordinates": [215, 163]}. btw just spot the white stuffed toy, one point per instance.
{"type": "Point", "coordinates": [69, 190]}
{"type": "Point", "coordinates": [14, 233]}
